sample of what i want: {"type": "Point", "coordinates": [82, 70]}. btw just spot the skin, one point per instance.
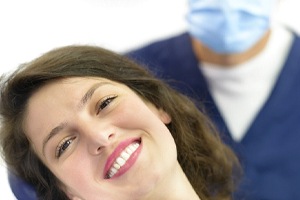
{"type": "Point", "coordinates": [93, 134]}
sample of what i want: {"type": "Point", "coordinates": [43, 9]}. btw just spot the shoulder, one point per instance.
{"type": "Point", "coordinates": [159, 49]}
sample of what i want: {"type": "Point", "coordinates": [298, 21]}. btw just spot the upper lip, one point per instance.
{"type": "Point", "coordinates": [116, 153]}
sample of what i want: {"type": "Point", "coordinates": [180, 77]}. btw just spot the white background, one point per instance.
{"type": "Point", "coordinates": [29, 28]}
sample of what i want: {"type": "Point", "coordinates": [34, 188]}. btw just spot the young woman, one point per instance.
{"type": "Point", "coordinates": [81, 122]}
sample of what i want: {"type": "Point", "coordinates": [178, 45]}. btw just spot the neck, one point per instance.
{"type": "Point", "coordinates": [176, 186]}
{"type": "Point", "coordinates": [204, 54]}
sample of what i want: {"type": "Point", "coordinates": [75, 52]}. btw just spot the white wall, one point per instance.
{"type": "Point", "coordinates": [31, 27]}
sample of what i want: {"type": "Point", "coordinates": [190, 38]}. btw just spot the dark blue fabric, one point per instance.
{"type": "Point", "coordinates": [21, 189]}
{"type": "Point", "coordinates": [270, 151]}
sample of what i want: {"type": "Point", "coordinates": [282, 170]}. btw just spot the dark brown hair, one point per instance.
{"type": "Point", "coordinates": [207, 162]}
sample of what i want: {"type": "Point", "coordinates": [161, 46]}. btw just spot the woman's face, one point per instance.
{"type": "Point", "coordinates": [100, 139]}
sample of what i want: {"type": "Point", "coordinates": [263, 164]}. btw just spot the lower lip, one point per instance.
{"type": "Point", "coordinates": [129, 163]}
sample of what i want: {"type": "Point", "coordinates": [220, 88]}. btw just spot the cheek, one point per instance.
{"type": "Point", "coordinates": [134, 114]}
{"type": "Point", "coordinates": [139, 116]}
{"type": "Point", "coordinates": [75, 172]}
{"type": "Point", "coordinates": [71, 168]}
{"type": "Point", "coordinates": [84, 182]}
{"type": "Point", "coordinates": [77, 167]}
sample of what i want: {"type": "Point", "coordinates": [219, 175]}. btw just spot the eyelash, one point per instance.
{"type": "Point", "coordinates": [105, 102]}
{"type": "Point", "coordinates": [62, 146]}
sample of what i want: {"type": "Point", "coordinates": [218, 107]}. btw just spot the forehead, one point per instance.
{"type": "Point", "coordinates": [68, 90]}
{"type": "Point", "coordinates": [70, 87]}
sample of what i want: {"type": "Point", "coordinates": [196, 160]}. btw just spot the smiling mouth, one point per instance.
{"type": "Point", "coordinates": [122, 159]}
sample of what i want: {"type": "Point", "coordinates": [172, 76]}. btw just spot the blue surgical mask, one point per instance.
{"type": "Point", "coordinates": [229, 26]}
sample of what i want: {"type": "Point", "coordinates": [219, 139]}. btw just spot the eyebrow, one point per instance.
{"type": "Point", "coordinates": [88, 95]}
{"type": "Point", "coordinates": [52, 133]}
{"type": "Point", "coordinates": [84, 100]}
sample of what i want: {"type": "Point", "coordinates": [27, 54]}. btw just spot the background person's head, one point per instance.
{"type": "Point", "coordinates": [229, 26]}
{"type": "Point", "coordinates": [229, 32]}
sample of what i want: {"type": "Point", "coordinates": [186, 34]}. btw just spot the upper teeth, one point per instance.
{"type": "Point", "coordinates": [121, 160]}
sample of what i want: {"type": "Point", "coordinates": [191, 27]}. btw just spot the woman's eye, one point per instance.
{"type": "Point", "coordinates": [63, 146]}
{"type": "Point", "coordinates": [105, 102]}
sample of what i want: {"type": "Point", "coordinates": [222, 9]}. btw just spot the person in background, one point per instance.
{"type": "Point", "coordinates": [245, 67]}
{"type": "Point", "coordinates": [81, 122]}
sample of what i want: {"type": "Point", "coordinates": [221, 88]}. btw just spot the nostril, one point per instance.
{"type": "Point", "coordinates": [99, 149]}
{"type": "Point", "coordinates": [111, 136]}
{"type": "Point", "coordinates": [98, 145]}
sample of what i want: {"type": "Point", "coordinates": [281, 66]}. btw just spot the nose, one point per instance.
{"type": "Point", "coordinates": [97, 136]}
{"type": "Point", "coordinates": [100, 140]}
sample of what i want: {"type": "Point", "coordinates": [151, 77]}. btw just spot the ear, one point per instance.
{"type": "Point", "coordinates": [164, 117]}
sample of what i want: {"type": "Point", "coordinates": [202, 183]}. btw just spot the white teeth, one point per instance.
{"type": "Point", "coordinates": [117, 166]}
{"type": "Point", "coordinates": [129, 151]}
{"type": "Point", "coordinates": [125, 155]}
{"type": "Point", "coordinates": [113, 170]}
{"type": "Point", "coordinates": [133, 147]}
{"type": "Point", "coordinates": [121, 160]}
